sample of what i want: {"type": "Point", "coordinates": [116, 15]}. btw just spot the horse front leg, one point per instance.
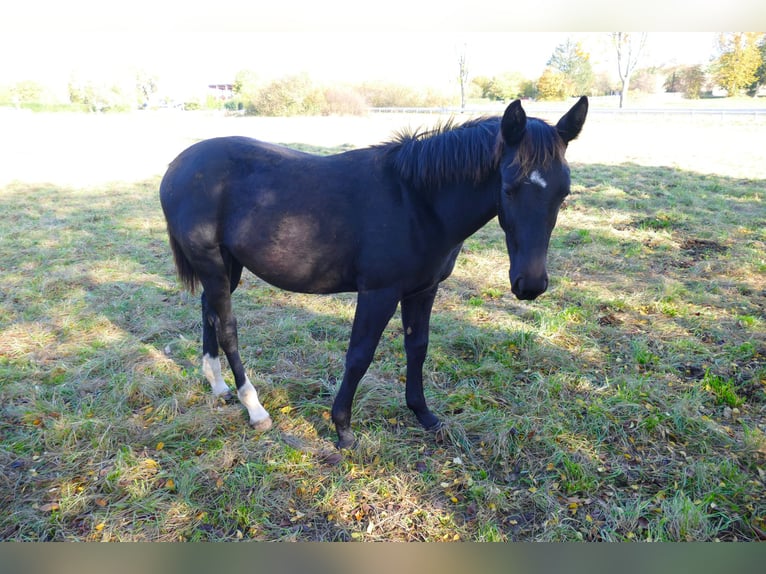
{"type": "Point", "coordinates": [416, 318]}
{"type": "Point", "coordinates": [374, 310]}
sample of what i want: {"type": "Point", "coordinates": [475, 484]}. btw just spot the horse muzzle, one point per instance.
{"type": "Point", "coordinates": [529, 287]}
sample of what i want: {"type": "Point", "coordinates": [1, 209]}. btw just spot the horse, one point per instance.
{"type": "Point", "coordinates": [386, 221]}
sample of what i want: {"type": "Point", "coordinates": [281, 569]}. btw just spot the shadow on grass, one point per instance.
{"type": "Point", "coordinates": [592, 396]}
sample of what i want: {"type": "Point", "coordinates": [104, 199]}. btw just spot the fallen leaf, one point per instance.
{"type": "Point", "coordinates": [50, 507]}
{"type": "Point", "coordinates": [101, 502]}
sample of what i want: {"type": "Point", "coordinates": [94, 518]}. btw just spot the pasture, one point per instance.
{"type": "Point", "coordinates": [627, 403]}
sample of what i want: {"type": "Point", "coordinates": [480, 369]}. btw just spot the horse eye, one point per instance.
{"type": "Point", "coordinates": [511, 187]}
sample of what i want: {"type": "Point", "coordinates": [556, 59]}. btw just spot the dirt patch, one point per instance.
{"type": "Point", "coordinates": [699, 249]}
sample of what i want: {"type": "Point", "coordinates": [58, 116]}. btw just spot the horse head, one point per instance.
{"type": "Point", "coordinates": [534, 182]}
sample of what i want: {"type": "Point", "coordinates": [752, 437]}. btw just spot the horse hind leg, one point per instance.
{"type": "Point", "coordinates": [211, 363]}
{"type": "Point", "coordinates": [219, 327]}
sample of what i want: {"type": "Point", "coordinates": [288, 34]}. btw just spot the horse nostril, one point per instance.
{"type": "Point", "coordinates": [529, 290]}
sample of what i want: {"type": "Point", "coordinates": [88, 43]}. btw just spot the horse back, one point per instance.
{"type": "Point", "coordinates": [294, 219]}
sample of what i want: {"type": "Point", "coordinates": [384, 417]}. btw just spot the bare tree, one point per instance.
{"type": "Point", "coordinates": [463, 74]}
{"type": "Point", "coordinates": [629, 46]}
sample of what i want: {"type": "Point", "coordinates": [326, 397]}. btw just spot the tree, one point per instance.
{"type": "Point", "coordinates": [146, 86]}
{"type": "Point", "coordinates": [629, 46]}
{"type": "Point", "coordinates": [760, 73]}
{"type": "Point", "coordinates": [736, 68]}
{"type": "Point", "coordinates": [98, 96]}
{"type": "Point", "coordinates": [647, 80]}
{"type": "Point", "coordinates": [603, 84]}
{"type": "Point", "coordinates": [501, 88]}
{"type": "Point", "coordinates": [246, 84]}
{"type": "Point", "coordinates": [528, 89]}
{"type": "Point", "coordinates": [690, 80]}
{"type": "Point", "coordinates": [693, 80]}
{"type": "Point", "coordinates": [26, 92]}
{"type": "Point", "coordinates": [288, 96]}
{"type": "Point", "coordinates": [462, 74]}
{"type": "Point", "coordinates": [573, 62]}
{"type": "Point", "coordinates": [552, 85]}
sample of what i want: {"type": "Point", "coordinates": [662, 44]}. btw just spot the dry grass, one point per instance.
{"type": "Point", "coordinates": [626, 404]}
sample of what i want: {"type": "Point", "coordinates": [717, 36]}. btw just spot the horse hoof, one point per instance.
{"type": "Point", "coordinates": [346, 444]}
{"type": "Point", "coordinates": [346, 440]}
{"type": "Point", "coordinates": [227, 397]}
{"type": "Point", "coordinates": [439, 432]}
{"type": "Point", "coordinates": [435, 427]}
{"type": "Point", "coordinates": [261, 425]}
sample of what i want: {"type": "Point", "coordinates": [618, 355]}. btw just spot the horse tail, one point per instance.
{"type": "Point", "coordinates": [186, 272]}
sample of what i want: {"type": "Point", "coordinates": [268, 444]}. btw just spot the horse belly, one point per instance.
{"type": "Point", "coordinates": [297, 252]}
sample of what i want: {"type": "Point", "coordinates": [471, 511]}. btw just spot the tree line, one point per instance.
{"type": "Point", "coordinates": [738, 67]}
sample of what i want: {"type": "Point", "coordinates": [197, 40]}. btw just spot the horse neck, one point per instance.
{"type": "Point", "coordinates": [465, 208]}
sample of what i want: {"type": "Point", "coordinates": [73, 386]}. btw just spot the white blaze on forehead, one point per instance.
{"type": "Point", "coordinates": [535, 177]}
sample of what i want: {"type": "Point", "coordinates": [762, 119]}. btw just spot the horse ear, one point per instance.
{"type": "Point", "coordinates": [514, 123]}
{"type": "Point", "coordinates": [571, 123]}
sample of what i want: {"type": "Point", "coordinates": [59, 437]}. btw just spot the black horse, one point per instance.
{"type": "Point", "coordinates": [386, 221]}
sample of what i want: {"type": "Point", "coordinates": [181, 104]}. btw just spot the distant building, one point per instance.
{"type": "Point", "coordinates": [222, 92]}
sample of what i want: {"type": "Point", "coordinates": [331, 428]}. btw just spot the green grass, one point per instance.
{"type": "Point", "coordinates": [625, 404]}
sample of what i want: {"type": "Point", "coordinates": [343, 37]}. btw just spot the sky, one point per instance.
{"type": "Point", "coordinates": [190, 44]}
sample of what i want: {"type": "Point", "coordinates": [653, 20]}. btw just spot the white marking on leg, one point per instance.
{"type": "Point", "coordinates": [535, 177]}
{"type": "Point", "coordinates": [248, 396]}
{"type": "Point", "coordinates": [211, 368]}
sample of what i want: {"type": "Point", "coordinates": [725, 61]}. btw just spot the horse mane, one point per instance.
{"type": "Point", "coordinates": [469, 151]}
{"type": "Point", "coordinates": [540, 146]}
{"type": "Point", "coordinates": [446, 153]}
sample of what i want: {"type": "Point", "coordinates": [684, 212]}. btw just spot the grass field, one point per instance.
{"type": "Point", "coordinates": [627, 403]}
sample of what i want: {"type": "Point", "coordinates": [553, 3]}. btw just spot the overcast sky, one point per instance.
{"type": "Point", "coordinates": [187, 43]}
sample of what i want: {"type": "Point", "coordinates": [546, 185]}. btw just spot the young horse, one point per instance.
{"type": "Point", "coordinates": [387, 222]}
